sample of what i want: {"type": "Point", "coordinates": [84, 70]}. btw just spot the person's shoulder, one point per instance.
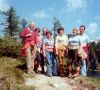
{"type": "Point", "coordinates": [78, 36]}
{"type": "Point", "coordinates": [86, 36]}
{"type": "Point", "coordinates": [57, 36]}
{"type": "Point", "coordinates": [65, 35]}
{"type": "Point", "coordinates": [25, 29]}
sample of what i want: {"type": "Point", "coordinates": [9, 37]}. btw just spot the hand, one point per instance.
{"type": "Point", "coordinates": [44, 55]}
{"type": "Point", "coordinates": [56, 53]}
{"type": "Point", "coordinates": [30, 34]}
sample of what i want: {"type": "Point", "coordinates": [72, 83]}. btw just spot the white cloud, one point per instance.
{"type": "Point", "coordinates": [40, 14]}
{"type": "Point", "coordinates": [79, 21]}
{"type": "Point", "coordinates": [92, 27]}
{"type": "Point", "coordinates": [73, 5]}
{"type": "Point", "coordinates": [4, 5]}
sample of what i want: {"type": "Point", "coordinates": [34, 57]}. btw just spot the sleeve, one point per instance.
{"type": "Point", "coordinates": [44, 41]}
{"type": "Point", "coordinates": [56, 41]}
{"type": "Point", "coordinates": [35, 38]}
{"type": "Point", "coordinates": [87, 40]}
{"type": "Point", "coordinates": [67, 41]}
{"type": "Point", "coordinates": [22, 34]}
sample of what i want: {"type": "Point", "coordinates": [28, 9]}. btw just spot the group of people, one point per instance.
{"type": "Point", "coordinates": [49, 49]}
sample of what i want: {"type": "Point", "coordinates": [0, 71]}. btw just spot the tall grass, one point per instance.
{"type": "Point", "coordinates": [12, 75]}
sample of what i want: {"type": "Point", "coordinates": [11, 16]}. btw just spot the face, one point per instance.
{"type": "Point", "coordinates": [45, 31]}
{"type": "Point", "coordinates": [82, 30]}
{"type": "Point", "coordinates": [75, 32]}
{"type": "Point", "coordinates": [48, 35]}
{"type": "Point", "coordinates": [31, 26]}
{"type": "Point", "coordinates": [37, 32]}
{"type": "Point", "coordinates": [61, 32]}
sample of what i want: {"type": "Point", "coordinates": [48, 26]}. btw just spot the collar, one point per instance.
{"type": "Point", "coordinates": [30, 30]}
{"type": "Point", "coordinates": [61, 35]}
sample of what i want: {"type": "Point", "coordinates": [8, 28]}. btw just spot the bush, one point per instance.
{"type": "Point", "coordinates": [9, 47]}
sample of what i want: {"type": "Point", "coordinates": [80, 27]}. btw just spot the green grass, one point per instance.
{"type": "Point", "coordinates": [12, 72]}
{"type": "Point", "coordinates": [95, 81]}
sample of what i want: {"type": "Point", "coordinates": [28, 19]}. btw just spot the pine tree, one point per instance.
{"type": "Point", "coordinates": [11, 23]}
{"type": "Point", "coordinates": [23, 23]}
{"type": "Point", "coordinates": [56, 24]}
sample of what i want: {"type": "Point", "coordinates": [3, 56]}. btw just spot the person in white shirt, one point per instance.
{"type": "Point", "coordinates": [84, 41]}
{"type": "Point", "coordinates": [61, 44]}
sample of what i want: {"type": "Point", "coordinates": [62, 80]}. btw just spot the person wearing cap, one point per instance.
{"type": "Point", "coordinates": [29, 45]}
{"type": "Point", "coordinates": [84, 40]}
{"type": "Point", "coordinates": [61, 44]}
{"type": "Point", "coordinates": [74, 45]}
{"type": "Point", "coordinates": [48, 52]}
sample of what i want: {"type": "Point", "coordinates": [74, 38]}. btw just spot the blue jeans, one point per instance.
{"type": "Point", "coordinates": [52, 66]}
{"type": "Point", "coordinates": [83, 68]}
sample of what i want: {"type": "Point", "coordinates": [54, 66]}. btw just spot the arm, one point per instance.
{"type": "Point", "coordinates": [44, 54]}
{"type": "Point", "coordinates": [24, 33]}
{"type": "Point", "coordinates": [67, 41]}
{"type": "Point", "coordinates": [44, 47]}
{"type": "Point", "coordinates": [56, 45]}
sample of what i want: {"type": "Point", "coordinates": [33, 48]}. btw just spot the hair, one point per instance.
{"type": "Point", "coordinates": [83, 26]}
{"type": "Point", "coordinates": [31, 23]}
{"type": "Point", "coordinates": [49, 32]}
{"type": "Point", "coordinates": [75, 28]}
{"type": "Point", "coordinates": [59, 29]}
{"type": "Point", "coordinates": [45, 28]}
{"type": "Point", "coordinates": [37, 29]}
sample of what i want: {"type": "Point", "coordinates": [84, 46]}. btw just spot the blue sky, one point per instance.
{"type": "Point", "coordinates": [71, 13]}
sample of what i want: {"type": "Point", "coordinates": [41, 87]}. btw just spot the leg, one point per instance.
{"type": "Point", "coordinates": [77, 63]}
{"type": "Point", "coordinates": [69, 69]}
{"type": "Point", "coordinates": [60, 58]}
{"type": "Point", "coordinates": [38, 57]}
{"type": "Point", "coordinates": [42, 63]}
{"type": "Point", "coordinates": [28, 57]}
{"type": "Point", "coordinates": [83, 68]}
{"type": "Point", "coordinates": [70, 62]}
{"type": "Point", "coordinates": [55, 65]}
{"type": "Point", "coordinates": [48, 62]}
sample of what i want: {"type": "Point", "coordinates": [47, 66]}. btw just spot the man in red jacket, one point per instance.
{"type": "Point", "coordinates": [29, 45]}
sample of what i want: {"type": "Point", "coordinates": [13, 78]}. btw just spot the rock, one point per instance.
{"type": "Point", "coordinates": [42, 82]}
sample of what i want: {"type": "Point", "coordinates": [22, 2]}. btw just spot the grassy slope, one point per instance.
{"type": "Point", "coordinates": [12, 74]}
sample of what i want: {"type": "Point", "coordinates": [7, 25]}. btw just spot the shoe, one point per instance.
{"type": "Point", "coordinates": [75, 75]}
{"type": "Point", "coordinates": [70, 75]}
{"type": "Point", "coordinates": [62, 75]}
{"type": "Point", "coordinates": [29, 72]}
{"type": "Point", "coordinates": [37, 72]}
{"type": "Point", "coordinates": [49, 75]}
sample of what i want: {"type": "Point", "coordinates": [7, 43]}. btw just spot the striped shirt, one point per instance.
{"type": "Point", "coordinates": [74, 42]}
{"type": "Point", "coordinates": [49, 44]}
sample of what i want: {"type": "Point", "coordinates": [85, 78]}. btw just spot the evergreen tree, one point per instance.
{"type": "Point", "coordinates": [23, 23]}
{"type": "Point", "coordinates": [56, 24]}
{"type": "Point", "coordinates": [11, 23]}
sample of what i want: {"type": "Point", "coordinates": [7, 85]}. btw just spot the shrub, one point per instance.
{"type": "Point", "coordinates": [9, 47]}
